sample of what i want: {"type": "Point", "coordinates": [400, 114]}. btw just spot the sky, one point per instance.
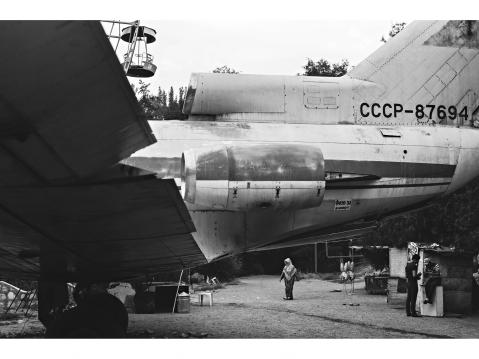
{"type": "Point", "coordinates": [254, 46]}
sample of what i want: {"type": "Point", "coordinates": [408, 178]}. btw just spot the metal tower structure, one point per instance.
{"type": "Point", "coordinates": [137, 62]}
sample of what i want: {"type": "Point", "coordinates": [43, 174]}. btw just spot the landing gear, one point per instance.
{"type": "Point", "coordinates": [97, 314]}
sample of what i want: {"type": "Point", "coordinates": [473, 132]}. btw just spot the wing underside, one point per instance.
{"type": "Point", "coordinates": [118, 229]}
{"type": "Point", "coordinates": [66, 108]}
{"type": "Point", "coordinates": [68, 115]}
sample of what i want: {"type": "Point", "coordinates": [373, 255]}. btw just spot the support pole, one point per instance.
{"type": "Point", "coordinates": [315, 257]}
{"type": "Point", "coordinates": [177, 289]}
{"type": "Point", "coordinates": [131, 48]}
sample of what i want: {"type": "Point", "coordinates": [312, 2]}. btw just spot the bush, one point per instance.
{"type": "Point", "coordinates": [224, 269]}
{"type": "Point", "coordinates": [197, 278]}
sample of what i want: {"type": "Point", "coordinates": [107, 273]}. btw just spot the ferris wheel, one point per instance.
{"type": "Point", "coordinates": [137, 62]}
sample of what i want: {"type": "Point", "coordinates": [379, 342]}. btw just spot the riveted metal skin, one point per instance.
{"type": "Point", "coordinates": [253, 176]}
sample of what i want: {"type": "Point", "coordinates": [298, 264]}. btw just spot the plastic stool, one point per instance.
{"type": "Point", "coordinates": [205, 294]}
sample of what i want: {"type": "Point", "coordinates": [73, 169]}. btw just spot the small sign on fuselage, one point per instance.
{"type": "Point", "coordinates": [342, 204]}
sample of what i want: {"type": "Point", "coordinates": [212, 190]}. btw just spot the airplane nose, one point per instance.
{"type": "Point", "coordinates": [468, 161]}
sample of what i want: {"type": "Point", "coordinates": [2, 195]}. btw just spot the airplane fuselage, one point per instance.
{"type": "Point", "coordinates": [369, 171]}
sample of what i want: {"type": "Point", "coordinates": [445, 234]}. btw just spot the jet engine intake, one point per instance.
{"type": "Point", "coordinates": [246, 177]}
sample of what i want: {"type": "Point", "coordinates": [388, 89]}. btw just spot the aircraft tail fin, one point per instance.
{"type": "Point", "coordinates": [427, 63]}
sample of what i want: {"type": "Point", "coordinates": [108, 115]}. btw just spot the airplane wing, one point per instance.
{"type": "Point", "coordinates": [66, 108]}
{"type": "Point", "coordinates": [114, 229]}
{"type": "Point", "coordinates": [67, 116]}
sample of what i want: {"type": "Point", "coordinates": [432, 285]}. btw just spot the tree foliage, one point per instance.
{"type": "Point", "coordinates": [225, 70]}
{"type": "Point", "coordinates": [450, 221]}
{"type": "Point", "coordinates": [396, 28]}
{"type": "Point", "coordinates": [161, 106]}
{"type": "Point", "coordinates": [322, 67]}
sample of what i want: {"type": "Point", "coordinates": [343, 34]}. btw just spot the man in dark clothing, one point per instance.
{"type": "Point", "coordinates": [412, 277]}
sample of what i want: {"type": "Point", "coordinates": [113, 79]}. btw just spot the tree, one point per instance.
{"type": "Point", "coordinates": [163, 106]}
{"type": "Point", "coordinates": [396, 28]}
{"type": "Point", "coordinates": [181, 97]}
{"type": "Point", "coordinates": [143, 91]}
{"type": "Point", "coordinates": [449, 221]}
{"type": "Point", "coordinates": [225, 70]}
{"type": "Point", "coordinates": [171, 99]}
{"type": "Point", "coordinates": [323, 68]}
{"type": "Point", "coordinates": [148, 102]}
{"type": "Point", "coordinates": [162, 98]}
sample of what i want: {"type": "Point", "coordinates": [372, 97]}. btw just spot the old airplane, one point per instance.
{"type": "Point", "coordinates": [262, 161]}
{"type": "Point", "coordinates": [272, 161]}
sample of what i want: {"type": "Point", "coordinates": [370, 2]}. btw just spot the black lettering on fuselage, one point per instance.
{"type": "Point", "coordinates": [387, 115]}
{"type": "Point", "coordinates": [398, 108]}
{"type": "Point", "coordinates": [373, 112]}
{"type": "Point", "coordinates": [361, 109]}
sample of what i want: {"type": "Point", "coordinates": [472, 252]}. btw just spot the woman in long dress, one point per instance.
{"type": "Point", "coordinates": [289, 272]}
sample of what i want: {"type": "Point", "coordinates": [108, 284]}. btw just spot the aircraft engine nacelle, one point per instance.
{"type": "Point", "coordinates": [246, 177]}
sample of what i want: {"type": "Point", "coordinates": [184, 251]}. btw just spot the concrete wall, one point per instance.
{"type": "Point", "coordinates": [397, 262]}
{"type": "Point", "coordinates": [393, 296]}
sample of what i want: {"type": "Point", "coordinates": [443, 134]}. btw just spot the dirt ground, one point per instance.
{"type": "Point", "coordinates": [20, 327]}
{"type": "Point", "coordinates": [255, 309]}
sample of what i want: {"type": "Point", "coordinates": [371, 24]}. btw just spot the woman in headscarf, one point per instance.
{"type": "Point", "coordinates": [289, 273]}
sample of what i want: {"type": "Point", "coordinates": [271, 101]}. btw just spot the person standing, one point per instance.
{"type": "Point", "coordinates": [412, 277]}
{"type": "Point", "coordinates": [289, 273]}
